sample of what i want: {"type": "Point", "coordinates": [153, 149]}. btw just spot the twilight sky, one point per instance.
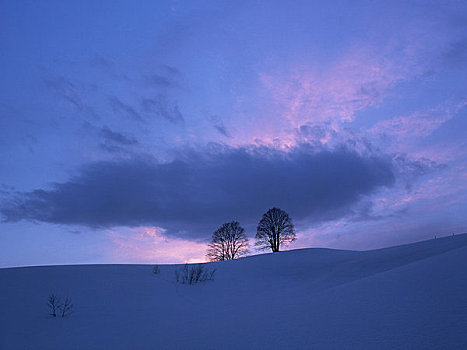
{"type": "Point", "coordinates": [129, 131]}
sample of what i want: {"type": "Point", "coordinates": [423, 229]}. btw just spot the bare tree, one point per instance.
{"type": "Point", "coordinates": [54, 303]}
{"type": "Point", "coordinates": [56, 306]}
{"type": "Point", "coordinates": [274, 229]}
{"type": "Point", "coordinates": [228, 242]}
{"type": "Point", "coordinates": [66, 307]}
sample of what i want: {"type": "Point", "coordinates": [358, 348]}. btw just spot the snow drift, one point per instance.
{"type": "Point", "coordinates": [406, 297]}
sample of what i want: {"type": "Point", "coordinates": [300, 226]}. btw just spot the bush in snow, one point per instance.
{"type": "Point", "coordinates": [156, 269]}
{"type": "Point", "coordinates": [57, 307]}
{"type": "Point", "coordinates": [191, 274]}
{"type": "Point", "coordinates": [53, 303]}
{"type": "Point", "coordinates": [66, 308]}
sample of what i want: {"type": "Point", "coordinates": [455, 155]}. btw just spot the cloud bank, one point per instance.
{"type": "Point", "coordinates": [199, 189]}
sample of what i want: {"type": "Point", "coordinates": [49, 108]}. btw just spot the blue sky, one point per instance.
{"type": "Point", "coordinates": [130, 131]}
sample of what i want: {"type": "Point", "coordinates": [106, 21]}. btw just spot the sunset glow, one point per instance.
{"type": "Point", "coordinates": [129, 133]}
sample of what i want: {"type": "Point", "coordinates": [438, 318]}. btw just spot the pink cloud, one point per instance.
{"type": "Point", "coordinates": [308, 92]}
{"type": "Point", "coordinates": [435, 193]}
{"type": "Point", "coordinates": [311, 93]}
{"type": "Point", "coordinates": [150, 245]}
{"type": "Point", "coordinates": [418, 124]}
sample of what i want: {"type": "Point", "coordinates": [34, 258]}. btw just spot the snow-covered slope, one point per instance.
{"type": "Point", "coordinates": [406, 297]}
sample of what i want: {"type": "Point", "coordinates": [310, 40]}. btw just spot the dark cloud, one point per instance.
{"type": "Point", "coordinates": [218, 124]}
{"type": "Point", "coordinates": [111, 148]}
{"type": "Point", "coordinates": [220, 127]}
{"type": "Point", "coordinates": [172, 71]}
{"type": "Point", "coordinates": [160, 81]}
{"type": "Point", "coordinates": [165, 78]}
{"type": "Point", "coordinates": [363, 211]}
{"type": "Point", "coordinates": [312, 133]}
{"type": "Point", "coordinates": [197, 191]}
{"type": "Point", "coordinates": [116, 137]}
{"type": "Point", "coordinates": [162, 107]}
{"type": "Point", "coordinates": [120, 107]}
{"type": "Point", "coordinates": [5, 190]}
{"type": "Point", "coordinates": [70, 92]}
{"type": "Point", "coordinates": [409, 171]}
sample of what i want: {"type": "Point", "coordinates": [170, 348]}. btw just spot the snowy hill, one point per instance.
{"type": "Point", "coordinates": [406, 297]}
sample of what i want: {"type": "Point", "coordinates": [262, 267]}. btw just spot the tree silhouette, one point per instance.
{"type": "Point", "coordinates": [228, 242]}
{"type": "Point", "coordinates": [274, 229]}
{"type": "Point", "coordinates": [53, 302]}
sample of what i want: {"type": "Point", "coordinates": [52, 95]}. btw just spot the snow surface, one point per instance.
{"type": "Point", "coordinates": [406, 297]}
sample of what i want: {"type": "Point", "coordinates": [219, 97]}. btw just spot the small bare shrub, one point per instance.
{"type": "Point", "coordinates": [56, 306]}
{"type": "Point", "coordinates": [192, 274]}
{"type": "Point", "coordinates": [53, 303]}
{"type": "Point", "coordinates": [66, 307]}
{"type": "Point", "coordinates": [156, 270]}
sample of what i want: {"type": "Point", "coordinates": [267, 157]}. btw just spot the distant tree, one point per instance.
{"type": "Point", "coordinates": [54, 303]}
{"type": "Point", "coordinates": [57, 307]}
{"type": "Point", "coordinates": [274, 230]}
{"type": "Point", "coordinates": [66, 308]}
{"type": "Point", "coordinates": [228, 242]}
